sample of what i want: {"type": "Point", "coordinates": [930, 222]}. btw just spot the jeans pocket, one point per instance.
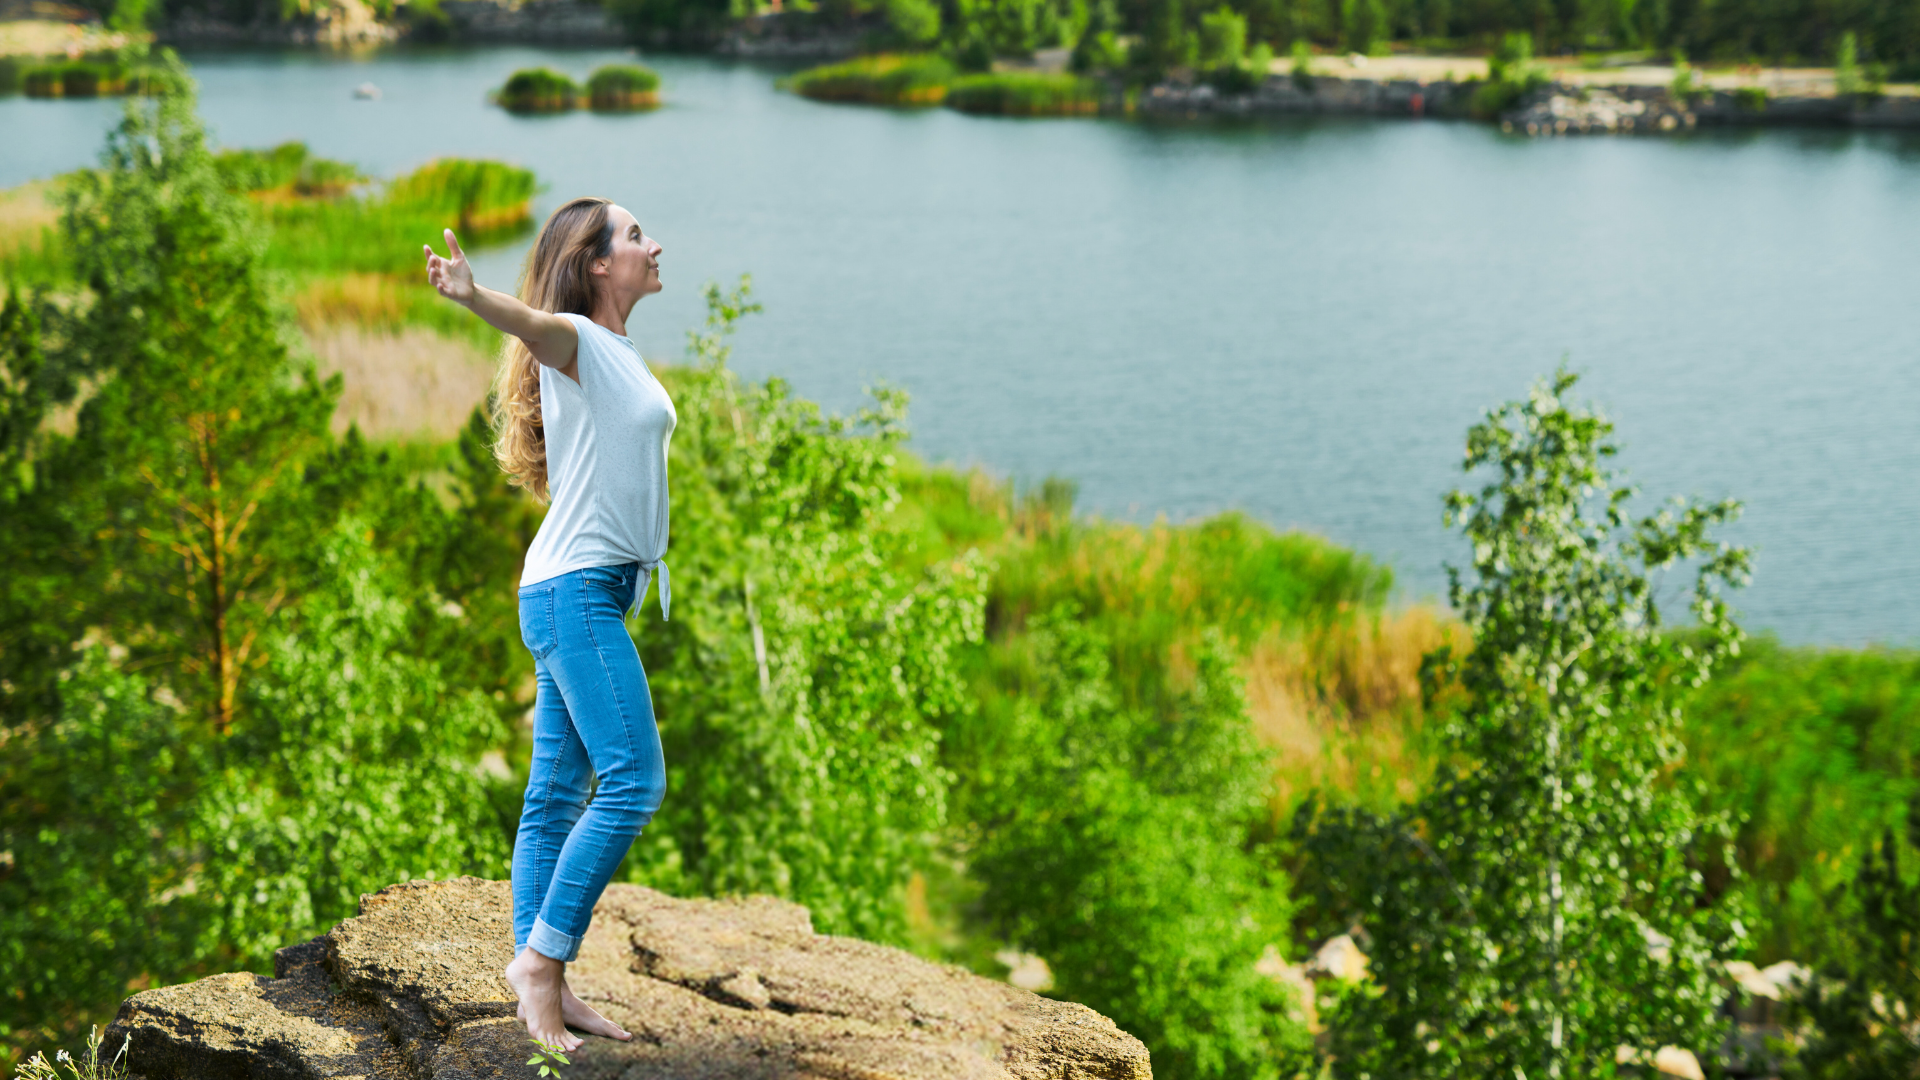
{"type": "Point", "coordinates": [536, 621]}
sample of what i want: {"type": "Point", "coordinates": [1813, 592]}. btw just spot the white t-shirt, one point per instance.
{"type": "Point", "coordinates": [607, 438]}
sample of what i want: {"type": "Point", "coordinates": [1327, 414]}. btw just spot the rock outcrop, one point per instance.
{"type": "Point", "coordinates": [711, 989]}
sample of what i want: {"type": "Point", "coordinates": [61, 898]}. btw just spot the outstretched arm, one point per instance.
{"type": "Point", "coordinates": [551, 339]}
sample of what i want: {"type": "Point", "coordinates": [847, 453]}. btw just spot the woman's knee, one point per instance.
{"type": "Point", "coordinates": [553, 796]}
{"type": "Point", "coordinates": [632, 792]}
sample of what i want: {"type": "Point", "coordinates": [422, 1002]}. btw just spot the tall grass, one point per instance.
{"type": "Point", "coordinates": [486, 201]}
{"type": "Point", "coordinates": [29, 238]}
{"type": "Point", "coordinates": [289, 170]}
{"type": "Point", "coordinates": [891, 79]}
{"type": "Point", "coordinates": [1025, 93]}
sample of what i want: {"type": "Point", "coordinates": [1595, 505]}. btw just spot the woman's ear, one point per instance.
{"type": "Point", "coordinates": [600, 267]}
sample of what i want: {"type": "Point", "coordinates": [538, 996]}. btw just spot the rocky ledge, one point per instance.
{"type": "Point", "coordinates": [711, 989]}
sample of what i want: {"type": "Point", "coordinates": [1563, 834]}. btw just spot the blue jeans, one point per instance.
{"type": "Point", "coordinates": [592, 721]}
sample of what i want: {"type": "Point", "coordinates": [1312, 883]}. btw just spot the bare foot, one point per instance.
{"type": "Point", "coordinates": [538, 980]}
{"type": "Point", "coordinates": [579, 1014]}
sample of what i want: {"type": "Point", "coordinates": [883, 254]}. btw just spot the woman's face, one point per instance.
{"type": "Point", "coordinates": [633, 267]}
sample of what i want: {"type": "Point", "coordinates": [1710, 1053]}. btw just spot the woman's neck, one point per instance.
{"type": "Point", "coordinates": [608, 314]}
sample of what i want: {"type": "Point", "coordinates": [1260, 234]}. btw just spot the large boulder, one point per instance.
{"type": "Point", "coordinates": [710, 988]}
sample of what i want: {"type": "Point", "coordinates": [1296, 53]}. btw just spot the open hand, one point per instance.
{"type": "Point", "coordinates": [451, 276]}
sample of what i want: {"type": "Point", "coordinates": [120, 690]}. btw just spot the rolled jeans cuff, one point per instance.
{"type": "Point", "coordinates": [553, 944]}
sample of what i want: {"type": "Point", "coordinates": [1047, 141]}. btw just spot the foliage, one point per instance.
{"type": "Point", "coordinates": [1511, 76]}
{"type": "Point", "coordinates": [810, 658]}
{"type": "Point", "coordinates": [1816, 752]}
{"type": "Point", "coordinates": [1686, 86]}
{"type": "Point", "coordinates": [1025, 93]}
{"type": "Point", "coordinates": [887, 79]}
{"type": "Point", "coordinates": [534, 90]}
{"type": "Point", "coordinates": [549, 1057]}
{"type": "Point", "coordinates": [1225, 61]}
{"type": "Point", "coordinates": [1119, 843]}
{"type": "Point", "coordinates": [288, 169]}
{"type": "Point", "coordinates": [220, 613]}
{"type": "Point", "coordinates": [1301, 71]}
{"type": "Point", "coordinates": [915, 22]}
{"type": "Point", "coordinates": [1098, 47]}
{"type": "Point", "coordinates": [1366, 24]}
{"type": "Point", "coordinates": [83, 79]}
{"type": "Point", "coordinates": [1542, 903]}
{"type": "Point", "coordinates": [1865, 1010]}
{"type": "Point", "coordinates": [487, 201]}
{"type": "Point", "coordinates": [623, 86]}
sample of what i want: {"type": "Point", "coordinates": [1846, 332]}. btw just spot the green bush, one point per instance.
{"type": "Point", "coordinates": [915, 22]}
{"type": "Point", "coordinates": [891, 79]}
{"type": "Point", "coordinates": [1511, 76]}
{"type": "Point", "coordinates": [1118, 842]}
{"type": "Point", "coordinates": [623, 86]}
{"type": "Point", "coordinates": [1025, 93]}
{"type": "Point", "coordinates": [537, 90]}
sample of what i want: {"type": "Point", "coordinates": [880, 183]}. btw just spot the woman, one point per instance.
{"type": "Point", "coordinates": [581, 422]}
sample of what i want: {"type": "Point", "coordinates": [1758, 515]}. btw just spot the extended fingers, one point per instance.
{"type": "Point", "coordinates": [453, 245]}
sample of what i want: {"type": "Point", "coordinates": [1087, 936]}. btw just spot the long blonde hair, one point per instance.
{"type": "Point", "coordinates": [558, 278]}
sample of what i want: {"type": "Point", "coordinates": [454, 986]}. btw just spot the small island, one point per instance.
{"type": "Point", "coordinates": [612, 88]}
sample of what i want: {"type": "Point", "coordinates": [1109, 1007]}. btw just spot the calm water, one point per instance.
{"type": "Point", "coordinates": [1297, 320]}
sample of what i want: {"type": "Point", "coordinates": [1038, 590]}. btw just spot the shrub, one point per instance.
{"type": "Point", "coordinates": [917, 22]}
{"type": "Point", "coordinates": [1302, 70]}
{"type": "Point", "coordinates": [1025, 93]}
{"type": "Point", "coordinates": [1511, 75]}
{"type": "Point", "coordinates": [531, 90]}
{"type": "Point", "coordinates": [891, 79]}
{"type": "Point", "coordinates": [623, 86]}
{"type": "Point", "coordinates": [1751, 98]}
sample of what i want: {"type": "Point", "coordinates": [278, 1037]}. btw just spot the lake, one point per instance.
{"type": "Point", "coordinates": [1299, 320]}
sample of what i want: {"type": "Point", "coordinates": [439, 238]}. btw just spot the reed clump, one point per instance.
{"type": "Point", "coordinates": [623, 88]}
{"type": "Point", "coordinates": [485, 201]}
{"type": "Point", "coordinates": [888, 79]}
{"type": "Point", "coordinates": [83, 79]}
{"type": "Point", "coordinates": [537, 90]}
{"type": "Point", "coordinates": [287, 171]}
{"type": "Point", "coordinates": [1025, 93]}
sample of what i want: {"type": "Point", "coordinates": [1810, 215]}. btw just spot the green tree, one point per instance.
{"type": "Point", "coordinates": [1223, 38]}
{"type": "Point", "coordinates": [1543, 904]}
{"type": "Point", "coordinates": [162, 506]}
{"type": "Point", "coordinates": [220, 726]}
